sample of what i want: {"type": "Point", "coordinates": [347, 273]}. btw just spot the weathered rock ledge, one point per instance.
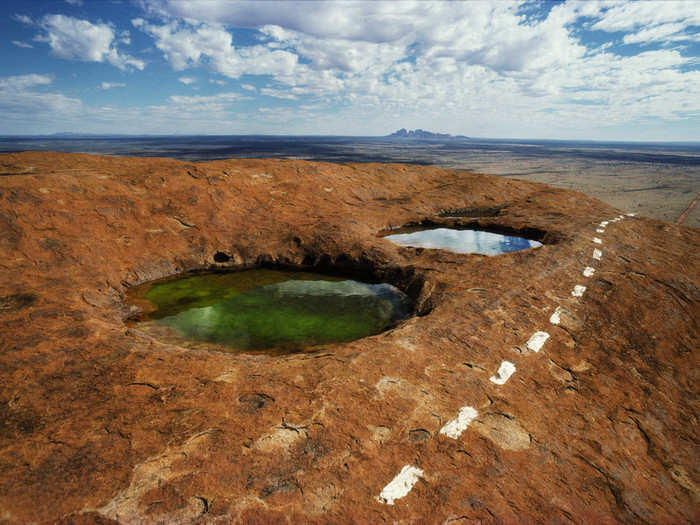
{"type": "Point", "coordinates": [100, 423]}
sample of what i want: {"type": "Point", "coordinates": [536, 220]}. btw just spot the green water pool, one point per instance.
{"type": "Point", "coordinates": [264, 309]}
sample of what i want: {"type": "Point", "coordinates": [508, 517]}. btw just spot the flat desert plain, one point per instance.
{"type": "Point", "coordinates": [659, 191]}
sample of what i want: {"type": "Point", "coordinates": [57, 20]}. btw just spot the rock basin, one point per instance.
{"type": "Point", "coordinates": [100, 423]}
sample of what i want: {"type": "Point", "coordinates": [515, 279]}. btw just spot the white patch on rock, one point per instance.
{"type": "Point", "coordinates": [265, 177]}
{"type": "Point", "coordinates": [504, 372]}
{"type": "Point", "coordinates": [630, 214]}
{"type": "Point", "coordinates": [504, 431]}
{"type": "Point", "coordinates": [604, 224]}
{"type": "Point", "coordinates": [157, 471]}
{"type": "Point", "coordinates": [588, 271]}
{"type": "Point", "coordinates": [597, 240]}
{"type": "Point", "coordinates": [279, 440]}
{"type": "Point", "coordinates": [555, 318]}
{"type": "Point", "coordinates": [537, 341]}
{"type": "Point", "coordinates": [407, 343]}
{"type": "Point", "coordinates": [454, 428]}
{"type": "Point", "coordinates": [597, 254]}
{"type": "Point", "coordinates": [578, 290]}
{"type": "Point", "coordinates": [400, 485]}
{"type": "Point", "coordinates": [229, 376]}
{"type": "Point", "coordinates": [600, 230]}
{"type": "Point", "coordinates": [379, 434]}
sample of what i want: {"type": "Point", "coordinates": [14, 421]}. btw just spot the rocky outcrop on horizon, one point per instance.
{"type": "Point", "coordinates": [422, 134]}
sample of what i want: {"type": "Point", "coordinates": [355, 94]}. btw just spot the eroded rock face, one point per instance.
{"type": "Point", "coordinates": [101, 424]}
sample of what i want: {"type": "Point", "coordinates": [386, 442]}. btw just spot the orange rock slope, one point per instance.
{"type": "Point", "coordinates": [100, 423]}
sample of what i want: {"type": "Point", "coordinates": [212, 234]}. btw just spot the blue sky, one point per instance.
{"type": "Point", "coordinates": [573, 70]}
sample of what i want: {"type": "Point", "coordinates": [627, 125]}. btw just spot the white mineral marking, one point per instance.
{"type": "Point", "coordinates": [600, 230]}
{"type": "Point", "coordinates": [400, 485]}
{"type": "Point", "coordinates": [604, 224]}
{"type": "Point", "coordinates": [597, 254]}
{"type": "Point", "coordinates": [597, 240]}
{"type": "Point", "coordinates": [630, 214]}
{"type": "Point", "coordinates": [578, 290]}
{"type": "Point", "coordinates": [555, 318]}
{"type": "Point", "coordinates": [504, 372]}
{"type": "Point", "coordinates": [588, 271]}
{"type": "Point", "coordinates": [537, 340]}
{"type": "Point", "coordinates": [454, 428]}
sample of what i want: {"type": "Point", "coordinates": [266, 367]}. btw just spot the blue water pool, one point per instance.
{"type": "Point", "coordinates": [461, 241]}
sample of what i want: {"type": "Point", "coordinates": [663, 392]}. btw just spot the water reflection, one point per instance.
{"type": "Point", "coordinates": [269, 309]}
{"type": "Point", "coordinates": [462, 241]}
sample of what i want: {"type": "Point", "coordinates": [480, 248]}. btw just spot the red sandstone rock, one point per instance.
{"type": "Point", "coordinates": [101, 424]}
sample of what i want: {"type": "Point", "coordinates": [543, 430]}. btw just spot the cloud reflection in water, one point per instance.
{"type": "Point", "coordinates": [463, 241]}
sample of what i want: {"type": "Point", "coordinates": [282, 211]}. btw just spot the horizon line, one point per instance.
{"type": "Point", "coordinates": [69, 135]}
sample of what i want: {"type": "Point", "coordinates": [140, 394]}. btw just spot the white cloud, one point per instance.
{"type": "Point", "coordinates": [23, 19]}
{"type": "Point", "coordinates": [357, 43]}
{"type": "Point", "coordinates": [653, 22]}
{"type": "Point", "coordinates": [21, 106]}
{"type": "Point", "coordinates": [187, 80]}
{"type": "Point", "coordinates": [76, 39]}
{"type": "Point", "coordinates": [112, 85]}
{"type": "Point", "coordinates": [18, 43]}
{"type": "Point", "coordinates": [75, 2]}
{"type": "Point", "coordinates": [228, 97]}
{"type": "Point", "coordinates": [220, 101]}
{"type": "Point", "coordinates": [342, 55]}
{"type": "Point", "coordinates": [20, 82]}
{"type": "Point", "coordinates": [124, 37]}
{"type": "Point", "coordinates": [463, 67]}
{"type": "Point", "coordinates": [661, 33]}
{"type": "Point", "coordinates": [25, 109]}
{"type": "Point", "coordinates": [350, 20]}
{"type": "Point", "coordinates": [278, 93]}
{"type": "Point", "coordinates": [631, 15]}
{"type": "Point", "coordinates": [461, 63]}
{"type": "Point", "coordinates": [31, 107]}
{"type": "Point", "coordinates": [187, 45]}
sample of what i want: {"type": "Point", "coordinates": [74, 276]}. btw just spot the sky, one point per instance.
{"type": "Point", "coordinates": [597, 70]}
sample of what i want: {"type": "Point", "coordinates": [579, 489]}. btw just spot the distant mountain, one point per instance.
{"type": "Point", "coordinates": [403, 133]}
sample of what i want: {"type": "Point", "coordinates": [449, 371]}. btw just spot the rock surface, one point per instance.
{"type": "Point", "coordinates": [100, 423]}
